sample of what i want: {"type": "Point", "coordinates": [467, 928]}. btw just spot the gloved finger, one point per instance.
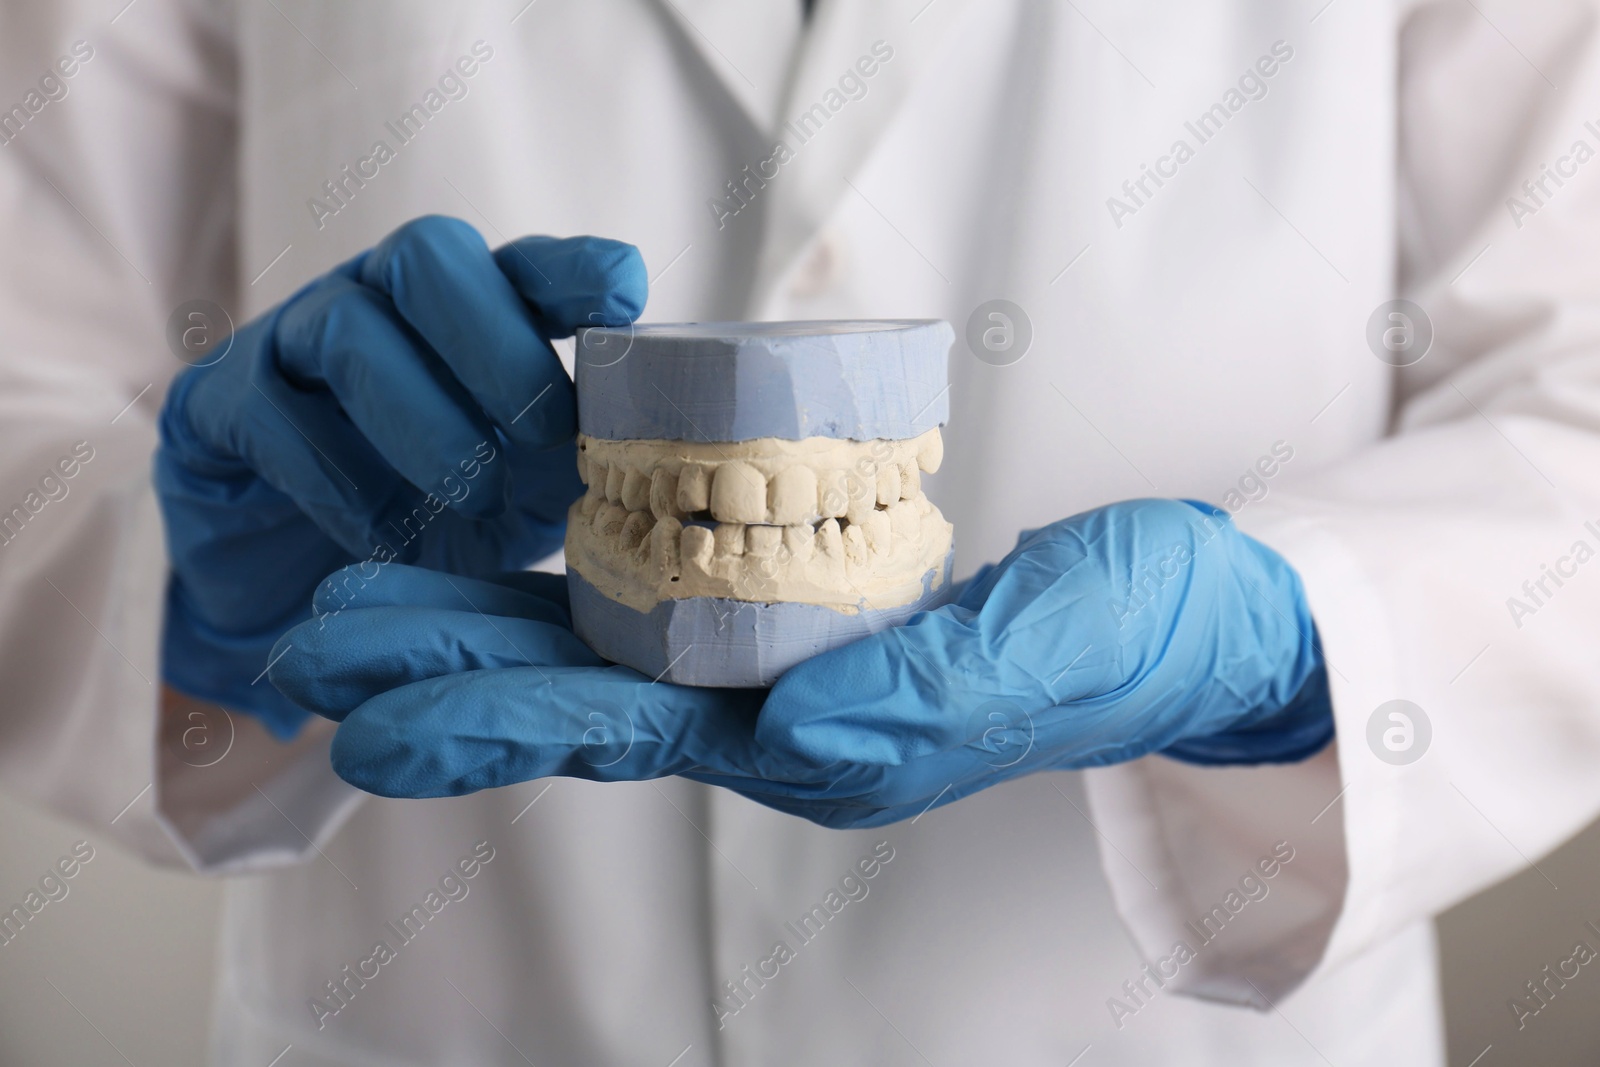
{"type": "Point", "coordinates": [348, 339]}
{"type": "Point", "coordinates": [880, 706]}
{"type": "Point", "coordinates": [333, 664]}
{"type": "Point", "coordinates": [460, 733]}
{"type": "Point", "coordinates": [861, 796]}
{"type": "Point", "coordinates": [1033, 633]}
{"type": "Point", "coordinates": [919, 784]}
{"type": "Point", "coordinates": [301, 444]}
{"type": "Point", "coordinates": [886, 698]}
{"type": "Point", "coordinates": [833, 815]}
{"type": "Point", "coordinates": [841, 785]}
{"type": "Point", "coordinates": [576, 281]}
{"type": "Point", "coordinates": [554, 483]}
{"type": "Point", "coordinates": [525, 533]}
{"type": "Point", "coordinates": [370, 585]}
{"type": "Point", "coordinates": [445, 283]}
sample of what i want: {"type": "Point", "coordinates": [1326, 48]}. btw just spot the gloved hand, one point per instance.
{"type": "Point", "coordinates": [405, 406]}
{"type": "Point", "coordinates": [1146, 626]}
{"type": "Point", "coordinates": [446, 685]}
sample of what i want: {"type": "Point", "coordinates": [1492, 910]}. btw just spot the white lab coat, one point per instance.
{"type": "Point", "coordinates": [1174, 346]}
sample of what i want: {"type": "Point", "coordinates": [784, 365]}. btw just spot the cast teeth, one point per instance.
{"type": "Point", "coordinates": [694, 488]}
{"type": "Point", "coordinates": [910, 481]}
{"type": "Point", "coordinates": [830, 540]}
{"type": "Point", "coordinates": [609, 519]}
{"type": "Point", "coordinates": [863, 500]}
{"type": "Point", "coordinates": [728, 539]}
{"type": "Point", "coordinates": [596, 493]}
{"type": "Point", "coordinates": [664, 494]}
{"type": "Point", "coordinates": [697, 549]}
{"type": "Point", "coordinates": [855, 544]}
{"type": "Point", "coordinates": [877, 531]}
{"type": "Point", "coordinates": [888, 484]}
{"type": "Point", "coordinates": [904, 518]}
{"type": "Point", "coordinates": [636, 490]}
{"type": "Point", "coordinates": [763, 541]}
{"type": "Point", "coordinates": [792, 496]}
{"type": "Point", "coordinates": [635, 529]}
{"type": "Point", "coordinates": [833, 499]}
{"type": "Point", "coordinates": [748, 521]}
{"type": "Point", "coordinates": [800, 541]}
{"type": "Point", "coordinates": [665, 538]}
{"type": "Point", "coordinates": [738, 493]}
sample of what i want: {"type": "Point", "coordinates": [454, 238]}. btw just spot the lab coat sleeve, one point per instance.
{"type": "Point", "coordinates": [1454, 565]}
{"type": "Point", "coordinates": [117, 191]}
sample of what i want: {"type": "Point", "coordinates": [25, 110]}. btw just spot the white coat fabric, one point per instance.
{"type": "Point", "coordinates": [1185, 333]}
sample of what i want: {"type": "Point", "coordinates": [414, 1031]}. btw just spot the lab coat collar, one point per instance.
{"type": "Point", "coordinates": [809, 187]}
{"type": "Point", "coordinates": [748, 45]}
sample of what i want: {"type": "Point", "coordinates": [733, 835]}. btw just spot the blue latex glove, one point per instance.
{"type": "Point", "coordinates": [1044, 662]}
{"type": "Point", "coordinates": [445, 685]}
{"type": "Point", "coordinates": [406, 405]}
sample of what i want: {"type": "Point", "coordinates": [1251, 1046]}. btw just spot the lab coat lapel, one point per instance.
{"type": "Point", "coordinates": [748, 45]}
{"type": "Point", "coordinates": [824, 156]}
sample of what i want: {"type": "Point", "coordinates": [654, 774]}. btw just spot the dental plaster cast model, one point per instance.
{"type": "Point", "coordinates": [755, 491]}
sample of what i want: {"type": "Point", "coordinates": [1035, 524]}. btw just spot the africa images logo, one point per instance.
{"type": "Point", "coordinates": [453, 887]}
{"type": "Point", "coordinates": [1251, 888]}
{"type": "Point", "coordinates": [737, 993]}
{"type": "Point", "coordinates": [852, 85]}
{"type": "Point", "coordinates": [453, 84]}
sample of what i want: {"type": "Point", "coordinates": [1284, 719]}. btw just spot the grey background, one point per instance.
{"type": "Point", "coordinates": [120, 970]}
